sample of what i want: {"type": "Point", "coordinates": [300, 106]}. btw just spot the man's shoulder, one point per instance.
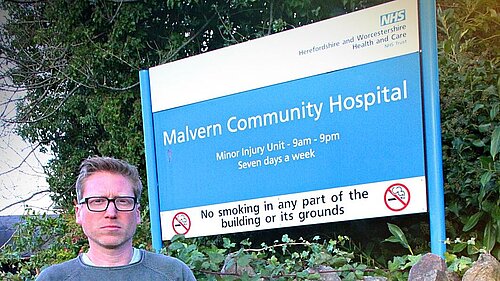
{"type": "Point", "coordinates": [60, 271]}
{"type": "Point", "coordinates": [163, 260]}
{"type": "Point", "coordinates": [174, 268]}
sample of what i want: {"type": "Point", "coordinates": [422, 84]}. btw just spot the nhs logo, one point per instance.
{"type": "Point", "coordinates": [392, 17]}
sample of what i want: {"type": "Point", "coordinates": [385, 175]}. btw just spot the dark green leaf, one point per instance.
{"type": "Point", "coordinates": [398, 234]}
{"type": "Point", "coordinates": [175, 246]}
{"type": "Point", "coordinates": [393, 239]}
{"type": "Point", "coordinates": [495, 142]}
{"type": "Point", "coordinates": [457, 248]}
{"type": "Point", "coordinates": [244, 260]}
{"type": "Point", "coordinates": [486, 177]}
{"type": "Point", "coordinates": [472, 221]}
{"type": "Point", "coordinates": [490, 235]}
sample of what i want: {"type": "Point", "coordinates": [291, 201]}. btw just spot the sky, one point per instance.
{"type": "Point", "coordinates": [21, 172]}
{"type": "Point", "coordinates": [20, 179]}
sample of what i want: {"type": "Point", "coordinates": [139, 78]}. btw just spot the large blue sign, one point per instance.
{"type": "Point", "coordinates": [341, 128]}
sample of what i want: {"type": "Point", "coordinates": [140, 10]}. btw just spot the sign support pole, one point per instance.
{"type": "Point", "coordinates": [153, 193]}
{"type": "Point", "coordinates": [432, 118]}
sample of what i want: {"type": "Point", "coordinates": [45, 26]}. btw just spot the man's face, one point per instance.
{"type": "Point", "coordinates": [110, 229]}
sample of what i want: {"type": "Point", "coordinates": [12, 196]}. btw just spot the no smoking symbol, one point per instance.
{"type": "Point", "coordinates": [181, 223]}
{"type": "Point", "coordinates": [397, 197]}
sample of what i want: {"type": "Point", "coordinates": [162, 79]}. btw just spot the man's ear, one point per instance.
{"type": "Point", "coordinates": [78, 213]}
{"type": "Point", "coordinates": [138, 214]}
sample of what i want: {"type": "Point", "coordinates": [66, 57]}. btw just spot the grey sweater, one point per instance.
{"type": "Point", "coordinates": [151, 267]}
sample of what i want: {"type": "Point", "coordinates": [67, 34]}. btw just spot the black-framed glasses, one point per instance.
{"type": "Point", "coordinates": [100, 203]}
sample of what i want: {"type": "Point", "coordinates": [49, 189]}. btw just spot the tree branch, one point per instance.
{"type": "Point", "coordinates": [22, 161]}
{"type": "Point", "coordinates": [25, 1]}
{"type": "Point", "coordinates": [24, 200]}
{"type": "Point", "coordinates": [192, 37]}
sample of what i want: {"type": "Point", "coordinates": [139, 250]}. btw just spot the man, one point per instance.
{"type": "Point", "coordinates": [108, 191]}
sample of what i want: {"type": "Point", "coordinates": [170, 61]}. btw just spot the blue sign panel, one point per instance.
{"type": "Point", "coordinates": [347, 127]}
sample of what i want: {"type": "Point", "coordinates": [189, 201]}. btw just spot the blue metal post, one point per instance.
{"type": "Point", "coordinates": [428, 33]}
{"type": "Point", "coordinates": [147, 116]}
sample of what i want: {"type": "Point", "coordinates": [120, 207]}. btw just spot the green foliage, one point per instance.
{"type": "Point", "coordinates": [286, 259]}
{"type": "Point", "coordinates": [457, 263]}
{"type": "Point", "coordinates": [40, 240]}
{"type": "Point", "coordinates": [470, 98]}
{"type": "Point", "coordinates": [400, 265]}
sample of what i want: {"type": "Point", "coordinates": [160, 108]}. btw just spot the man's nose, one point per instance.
{"type": "Point", "coordinates": [111, 211]}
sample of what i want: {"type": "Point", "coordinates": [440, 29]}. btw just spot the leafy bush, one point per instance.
{"type": "Point", "coordinates": [43, 240]}
{"type": "Point", "coordinates": [470, 99]}
{"type": "Point", "coordinates": [287, 259]}
{"type": "Point", "coordinates": [40, 240]}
